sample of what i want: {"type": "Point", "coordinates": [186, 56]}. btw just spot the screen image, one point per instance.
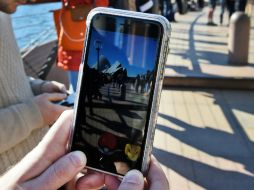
{"type": "Point", "coordinates": [116, 93]}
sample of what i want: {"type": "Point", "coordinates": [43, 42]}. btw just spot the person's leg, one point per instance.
{"type": "Point", "coordinates": [231, 7]}
{"type": "Point", "coordinates": [73, 77]}
{"type": "Point", "coordinates": [200, 4]}
{"type": "Point", "coordinates": [223, 4]}
{"type": "Point", "coordinates": [241, 5]}
{"type": "Point", "coordinates": [169, 14]}
{"type": "Point", "coordinates": [162, 7]}
{"type": "Point", "coordinates": [210, 13]}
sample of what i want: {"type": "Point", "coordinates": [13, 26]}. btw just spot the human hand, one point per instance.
{"type": "Point", "coordinates": [45, 167]}
{"type": "Point", "coordinates": [50, 111]}
{"type": "Point", "coordinates": [156, 180]}
{"type": "Point", "coordinates": [53, 86]}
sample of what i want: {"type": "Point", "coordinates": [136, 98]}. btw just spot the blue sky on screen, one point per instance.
{"type": "Point", "coordinates": [136, 53]}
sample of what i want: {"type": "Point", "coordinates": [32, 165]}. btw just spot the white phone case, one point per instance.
{"type": "Point", "coordinates": [164, 49]}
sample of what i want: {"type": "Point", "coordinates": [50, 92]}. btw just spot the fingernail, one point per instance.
{"type": "Point", "coordinates": [133, 177]}
{"type": "Point", "coordinates": [78, 158]}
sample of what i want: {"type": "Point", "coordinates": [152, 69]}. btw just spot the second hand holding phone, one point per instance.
{"type": "Point", "coordinates": [119, 89]}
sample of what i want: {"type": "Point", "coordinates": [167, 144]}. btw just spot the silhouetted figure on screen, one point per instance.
{"type": "Point", "coordinates": [137, 83]}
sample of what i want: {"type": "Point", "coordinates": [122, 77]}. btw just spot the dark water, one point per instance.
{"type": "Point", "coordinates": [33, 24]}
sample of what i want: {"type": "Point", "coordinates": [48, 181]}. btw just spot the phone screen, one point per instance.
{"type": "Point", "coordinates": [116, 92]}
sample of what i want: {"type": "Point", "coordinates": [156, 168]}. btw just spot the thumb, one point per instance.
{"type": "Point", "coordinates": [59, 173]}
{"type": "Point", "coordinates": [156, 177]}
{"type": "Point", "coordinates": [132, 180]}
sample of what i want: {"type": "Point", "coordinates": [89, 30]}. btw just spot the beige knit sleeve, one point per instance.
{"type": "Point", "coordinates": [17, 122]}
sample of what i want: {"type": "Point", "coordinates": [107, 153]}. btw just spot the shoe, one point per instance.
{"type": "Point", "coordinates": [211, 24]}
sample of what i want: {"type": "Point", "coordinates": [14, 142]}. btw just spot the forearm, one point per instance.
{"type": "Point", "coordinates": [17, 122]}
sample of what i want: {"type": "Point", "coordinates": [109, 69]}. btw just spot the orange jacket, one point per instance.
{"type": "Point", "coordinates": [71, 33]}
{"type": "Point", "coordinates": [73, 3]}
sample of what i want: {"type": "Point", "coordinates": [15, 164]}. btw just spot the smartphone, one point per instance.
{"type": "Point", "coordinates": [119, 88]}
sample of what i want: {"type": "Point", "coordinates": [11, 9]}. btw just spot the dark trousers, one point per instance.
{"type": "Point", "coordinates": [241, 4]}
{"type": "Point", "coordinates": [230, 6]}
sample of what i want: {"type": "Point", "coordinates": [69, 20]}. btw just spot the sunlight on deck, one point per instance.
{"type": "Point", "coordinates": [201, 139]}
{"type": "Point", "coordinates": [201, 51]}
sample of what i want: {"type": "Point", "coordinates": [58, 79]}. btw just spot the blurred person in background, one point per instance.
{"type": "Point", "coordinates": [146, 6]}
{"type": "Point", "coordinates": [227, 4]}
{"type": "Point", "coordinates": [26, 108]}
{"type": "Point", "coordinates": [127, 4]}
{"type": "Point", "coordinates": [167, 10]}
{"type": "Point", "coordinates": [70, 22]}
{"type": "Point", "coordinates": [211, 12]}
{"type": "Point", "coordinates": [223, 7]}
{"type": "Point", "coordinates": [241, 5]}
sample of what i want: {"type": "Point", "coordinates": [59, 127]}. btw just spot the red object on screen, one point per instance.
{"type": "Point", "coordinates": [108, 140]}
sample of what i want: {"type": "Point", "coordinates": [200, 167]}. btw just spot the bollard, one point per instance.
{"type": "Point", "coordinates": [238, 39]}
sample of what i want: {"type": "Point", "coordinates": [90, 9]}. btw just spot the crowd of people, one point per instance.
{"type": "Point", "coordinates": [230, 5]}
{"type": "Point", "coordinates": [168, 8]}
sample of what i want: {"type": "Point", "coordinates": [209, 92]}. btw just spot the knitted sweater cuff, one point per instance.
{"type": "Point", "coordinates": [36, 85]}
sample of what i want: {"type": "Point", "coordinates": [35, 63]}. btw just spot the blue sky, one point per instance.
{"type": "Point", "coordinates": [136, 53]}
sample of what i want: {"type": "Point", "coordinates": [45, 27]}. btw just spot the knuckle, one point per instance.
{"type": "Point", "coordinates": [72, 161]}
{"type": "Point", "coordinates": [58, 172]}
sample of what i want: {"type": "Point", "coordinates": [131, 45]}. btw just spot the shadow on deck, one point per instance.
{"type": "Point", "coordinates": [199, 55]}
{"type": "Point", "coordinates": [205, 138]}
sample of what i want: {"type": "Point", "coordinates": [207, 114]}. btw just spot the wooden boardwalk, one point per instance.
{"type": "Point", "coordinates": [205, 139]}
{"type": "Point", "coordinates": [200, 50]}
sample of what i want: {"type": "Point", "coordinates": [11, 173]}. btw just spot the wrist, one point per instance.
{"type": "Point", "coordinates": [41, 87]}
